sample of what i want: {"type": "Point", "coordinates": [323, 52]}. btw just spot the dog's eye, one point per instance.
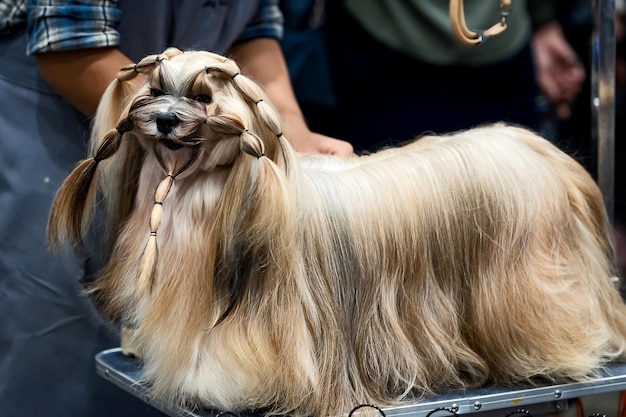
{"type": "Point", "coordinates": [202, 98]}
{"type": "Point", "coordinates": [155, 92]}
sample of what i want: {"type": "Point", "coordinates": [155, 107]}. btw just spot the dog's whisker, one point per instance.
{"type": "Point", "coordinates": [172, 145]}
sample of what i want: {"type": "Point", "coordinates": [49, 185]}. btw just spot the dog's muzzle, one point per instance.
{"type": "Point", "coordinates": [165, 122]}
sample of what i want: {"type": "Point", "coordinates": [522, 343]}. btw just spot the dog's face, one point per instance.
{"type": "Point", "coordinates": [160, 112]}
{"type": "Point", "coordinates": [179, 93]}
{"type": "Point", "coordinates": [195, 100]}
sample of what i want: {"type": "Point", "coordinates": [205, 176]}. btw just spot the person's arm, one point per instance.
{"type": "Point", "coordinates": [82, 75]}
{"type": "Point", "coordinates": [75, 47]}
{"type": "Point", "coordinates": [262, 59]}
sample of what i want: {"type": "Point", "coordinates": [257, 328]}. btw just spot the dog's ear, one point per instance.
{"type": "Point", "coordinates": [73, 202]}
{"type": "Point", "coordinates": [254, 232]}
{"type": "Point", "coordinates": [113, 105]}
{"type": "Point", "coordinates": [119, 181]}
{"type": "Point", "coordinates": [119, 95]}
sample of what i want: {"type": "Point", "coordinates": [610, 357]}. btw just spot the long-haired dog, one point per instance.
{"type": "Point", "coordinates": [256, 280]}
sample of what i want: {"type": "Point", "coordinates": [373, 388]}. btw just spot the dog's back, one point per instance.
{"type": "Point", "coordinates": [483, 255]}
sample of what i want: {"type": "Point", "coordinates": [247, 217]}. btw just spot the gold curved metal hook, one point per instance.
{"type": "Point", "coordinates": [476, 37]}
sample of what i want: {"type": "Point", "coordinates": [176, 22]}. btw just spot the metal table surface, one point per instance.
{"type": "Point", "coordinates": [125, 372]}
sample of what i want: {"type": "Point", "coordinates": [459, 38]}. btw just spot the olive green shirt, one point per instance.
{"type": "Point", "coordinates": [422, 30]}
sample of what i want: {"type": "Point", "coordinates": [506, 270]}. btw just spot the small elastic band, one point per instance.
{"type": "Point", "coordinates": [170, 175]}
{"type": "Point", "coordinates": [160, 58]}
{"type": "Point", "coordinates": [135, 68]}
{"type": "Point", "coordinates": [234, 75]}
{"type": "Point", "coordinates": [381, 412]}
{"type": "Point", "coordinates": [242, 132]}
{"type": "Point", "coordinates": [119, 131]}
{"type": "Point", "coordinates": [96, 159]}
{"type": "Point", "coordinates": [158, 202]}
{"type": "Point", "coordinates": [206, 70]}
{"type": "Point", "coordinates": [258, 101]}
{"type": "Point", "coordinates": [259, 156]}
{"type": "Point", "coordinates": [152, 233]}
{"type": "Point", "coordinates": [278, 135]}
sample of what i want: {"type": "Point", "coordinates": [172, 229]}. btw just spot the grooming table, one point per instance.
{"type": "Point", "coordinates": [483, 402]}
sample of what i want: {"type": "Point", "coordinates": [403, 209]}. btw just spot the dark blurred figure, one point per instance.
{"type": "Point", "coordinates": [399, 71]}
{"type": "Point", "coordinates": [575, 134]}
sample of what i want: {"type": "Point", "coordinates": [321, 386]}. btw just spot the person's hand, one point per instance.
{"type": "Point", "coordinates": [559, 73]}
{"type": "Point", "coordinates": [305, 142]}
{"type": "Point", "coordinates": [318, 143]}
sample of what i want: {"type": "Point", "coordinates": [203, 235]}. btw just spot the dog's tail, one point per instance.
{"type": "Point", "coordinates": [584, 195]}
{"type": "Point", "coordinates": [558, 279]}
{"type": "Point", "coordinates": [587, 204]}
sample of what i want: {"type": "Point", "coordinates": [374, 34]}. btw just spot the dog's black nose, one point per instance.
{"type": "Point", "coordinates": [166, 121]}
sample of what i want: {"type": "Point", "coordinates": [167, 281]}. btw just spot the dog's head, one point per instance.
{"type": "Point", "coordinates": [184, 112]}
{"type": "Point", "coordinates": [190, 128]}
{"type": "Point", "coordinates": [185, 100]}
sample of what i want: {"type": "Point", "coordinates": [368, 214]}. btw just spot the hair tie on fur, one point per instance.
{"type": "Point", "coordinates": [97, 159]}
{"type": "Point", "coordinates": [160, 58]}
{"type": "Point", "coordinates": [234, 75]}
{"type": "Point", "coordinates": [135, 68]}
{"type": "Point", "coordinates": [125, 125]}
{"type": "Point", "coordinates": [158, 202]}
{"type": "Point", "coordinates": [279, 134]}
{"type": "Point", "coordinates": [258, 101]}
{"type": "Point", "coordinates": [382, 413]}
{"type": "Point", "coordinates": [170, 175]}
{"type": "Point", "coordinates": [153, 233]}
{"type": "Point", "coordinates": [259, 156]}
{"type": "Point", "coordinates": [242, 132]}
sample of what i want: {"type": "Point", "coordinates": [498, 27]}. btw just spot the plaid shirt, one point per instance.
{"type": "Point", "coordinates": [57, 25]}
{"type": "Point", "coordinates": [12, 16]}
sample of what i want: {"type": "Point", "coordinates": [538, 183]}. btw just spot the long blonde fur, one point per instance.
{"type": "Point", "coordinates": [257, 281]}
